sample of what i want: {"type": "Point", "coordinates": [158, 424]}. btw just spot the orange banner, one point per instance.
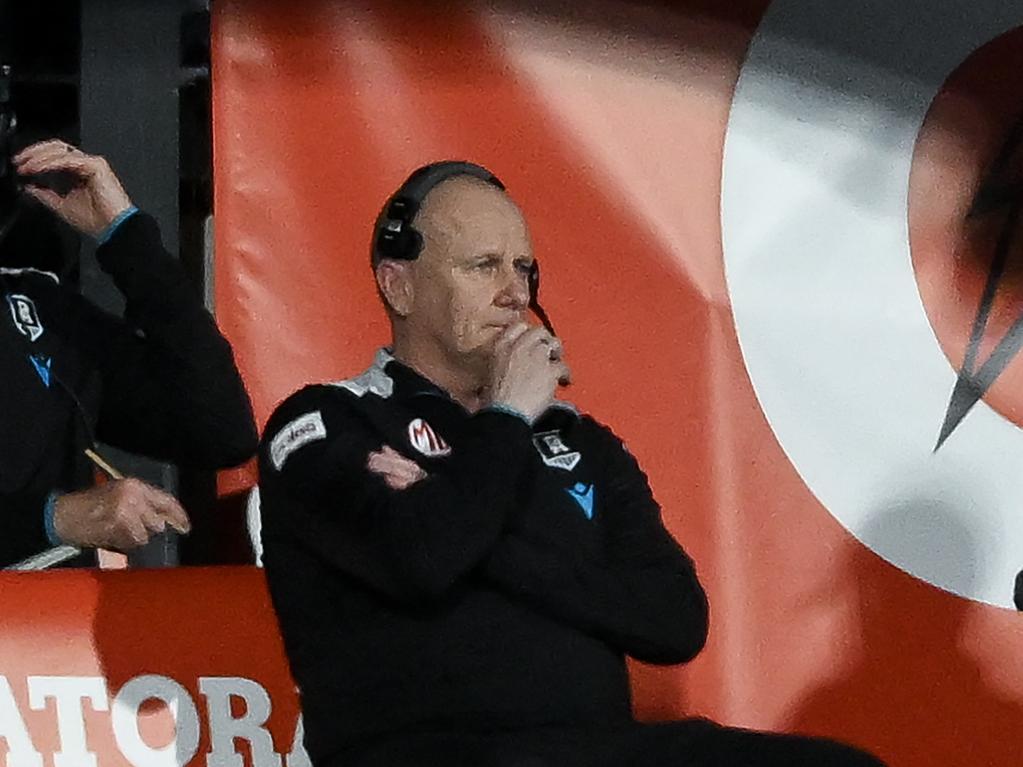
{"type": "Point", "coordinates": [144, 669]}
{"type": "Point", "coordinates": [748, 221]}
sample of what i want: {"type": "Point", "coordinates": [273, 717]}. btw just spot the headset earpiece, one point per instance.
{"type": "Point", "coordinates": [398, 239]}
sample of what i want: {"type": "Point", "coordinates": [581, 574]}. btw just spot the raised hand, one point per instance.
{"type": "Point", "coordinates": [95, 199]}
{"type": "Point", "coordinates": [527, 369]}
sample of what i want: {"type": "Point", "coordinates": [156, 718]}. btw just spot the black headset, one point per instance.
{"type": "Point", "coordinates": [395, 237]}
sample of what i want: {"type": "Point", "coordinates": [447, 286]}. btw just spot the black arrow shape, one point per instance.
{"type": "Point", "coordinates": [971, 384]}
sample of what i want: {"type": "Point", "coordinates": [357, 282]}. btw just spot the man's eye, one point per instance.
{"type": "Point", "coordinates": [487, 265]}
{"type": "Point", "coordinates": [524, 267]}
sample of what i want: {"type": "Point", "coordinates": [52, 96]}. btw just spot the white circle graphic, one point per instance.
{"type": "Point", "coordinates": [832, 328]}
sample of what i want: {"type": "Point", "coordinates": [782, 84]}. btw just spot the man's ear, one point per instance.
{"type": "Point", "coordinates": [394, 278]}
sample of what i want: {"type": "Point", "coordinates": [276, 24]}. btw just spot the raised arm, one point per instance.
{"type": "Point", "coordinates": [170, 385]}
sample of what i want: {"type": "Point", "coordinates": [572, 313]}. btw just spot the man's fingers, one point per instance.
{"type": "Point", "coordinates": [153, 521]}
{"type": "Point", "coordinates": [50, 146]}
{"type": "Point", "coordinates": [388, 455]}
{"type": "Point", "coordinates": [133, 534]}
{"type": "Point", "coordinates": [510, 335]}
{"type": "Point", "coordinates": [378, 461]}
{"type": "Point", "coordinates": [538, 341]}
{"type": "Point", "coordinates": [381, 463]}
{"type": "Point", "coordinates": [45, 156]}
{"type": "Point", "coordinates": [76, 163]}
{"type": "Point", "coordinates": [385, 469]}
{"type": "Point", "coordinates": [400, 483]}
{"type": "Point", "coordinates": [400, 480]}
{"type": "Point", "coordinates": [535, 336]}
{"type": "Point", "coordinates": [395, 469]}
{"type": "Point", "coordinates": [390, 452]}
{"type": "Point", "coordinates": [47, 197]}
{"type": "Point", "coordinates": [167, 506]}
{"type": "Point", "coordinates": [43, 151]}
{"type": "Point", "coordinates": [397, 465]}
{"type": "Point", "coordinates": [556, 351]}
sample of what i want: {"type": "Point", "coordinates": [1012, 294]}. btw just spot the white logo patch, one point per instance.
{"type": "Point", "coordinates": [303, 430]}
{"type": "Point", "coordinates": [26, 318]}
{"type": "Point", "coordinates": [555, 452]}
{"type": "Point", "coordinates": [426, 440]}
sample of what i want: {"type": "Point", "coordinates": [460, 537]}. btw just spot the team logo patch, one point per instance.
{"type": "Point", "coordinates": [26, 318]}
{"type": "Point", "coordinates": [583, 495]}
{"type": "Point", "coordinates": [426, 440]}
{"type": "Point", "coordinates": [555, 452]}
{"type": "Point", "coordinates": [300, 432]}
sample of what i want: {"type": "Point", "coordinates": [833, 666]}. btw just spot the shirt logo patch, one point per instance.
{"type": "Point", "coordinates": [303, 430]}
{"type": "Point", "coordinates": [426, 440]}
{"type": "Point", "coordinates": [583, 495]}
{"type": "Point", "coordinates": [42, 364]}
{"type": "Point", "coordinates": [26, 318]}
{"type": "Point", "coordinates": [555, 452]}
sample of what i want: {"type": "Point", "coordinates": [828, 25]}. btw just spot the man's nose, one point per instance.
{"type": "Point", "coordinates": [514, 293]}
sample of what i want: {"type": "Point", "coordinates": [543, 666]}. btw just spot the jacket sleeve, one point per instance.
{"type": "Point", "coordinates": [171, 389]}
{"type": "Point", "coordinates": [640, 593]}
{"type": "Point", "coordinates": [411, 545]}
{"type": "Point", "coordinates": [24, 529]}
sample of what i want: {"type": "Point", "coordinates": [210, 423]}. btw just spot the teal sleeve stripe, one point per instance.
{"type": "Point", "coordinates": [107, 233]}
{"type": "Point", "coordinates": [48, 511]}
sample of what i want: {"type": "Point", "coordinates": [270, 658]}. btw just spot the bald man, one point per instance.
{"type": "Point", "coordinates": [460, 561]}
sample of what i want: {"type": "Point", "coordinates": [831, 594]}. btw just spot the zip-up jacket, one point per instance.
{"type": "Point", "coordinates": [161, 382]}
{"type": "Point", "coordinates": [502, 590]}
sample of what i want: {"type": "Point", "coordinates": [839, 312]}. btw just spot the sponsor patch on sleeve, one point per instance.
{"type": "Point", "coordinates": [300, 432]}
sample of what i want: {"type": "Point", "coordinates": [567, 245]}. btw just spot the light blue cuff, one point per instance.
{"type": "Point", "coordinates": [48, 511]}
{"type": "Point", "coordinates": [123, 216]}
{"type": "Point", "coordinates": [509, 411]}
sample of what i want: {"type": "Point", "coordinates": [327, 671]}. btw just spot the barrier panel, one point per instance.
{"type": "Point", "coordinates": [144, 668]}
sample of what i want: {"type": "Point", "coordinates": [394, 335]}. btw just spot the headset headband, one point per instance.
{"type": "Point", "coordinates": [395, 237]}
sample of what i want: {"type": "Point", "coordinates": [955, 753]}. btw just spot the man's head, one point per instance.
{"type": "Point", "coordinates": [468, 277]}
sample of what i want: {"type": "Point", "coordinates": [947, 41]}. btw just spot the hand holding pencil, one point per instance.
{"type": "Point", "coordinates": [120, 514]}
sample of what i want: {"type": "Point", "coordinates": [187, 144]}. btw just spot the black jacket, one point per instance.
{"type": "Point", "coordinates": [501, 591]}
{"type": "Point", "coordinates": [162, 382]}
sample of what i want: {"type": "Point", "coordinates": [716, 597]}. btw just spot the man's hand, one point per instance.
{"type": "Point", "coordinates": [398, 471]}
{"type": "Point", "coordinates": [97, 197]}
{"type": "Point", "coordinates": [528, 367]}
{"type": "Point", "coordinates": [120, 515]}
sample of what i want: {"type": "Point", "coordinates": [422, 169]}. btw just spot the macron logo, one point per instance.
{"type": "Point", "coordinates": [583, 495]}
{"type": "Point", "coordinates": [42, 364]}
